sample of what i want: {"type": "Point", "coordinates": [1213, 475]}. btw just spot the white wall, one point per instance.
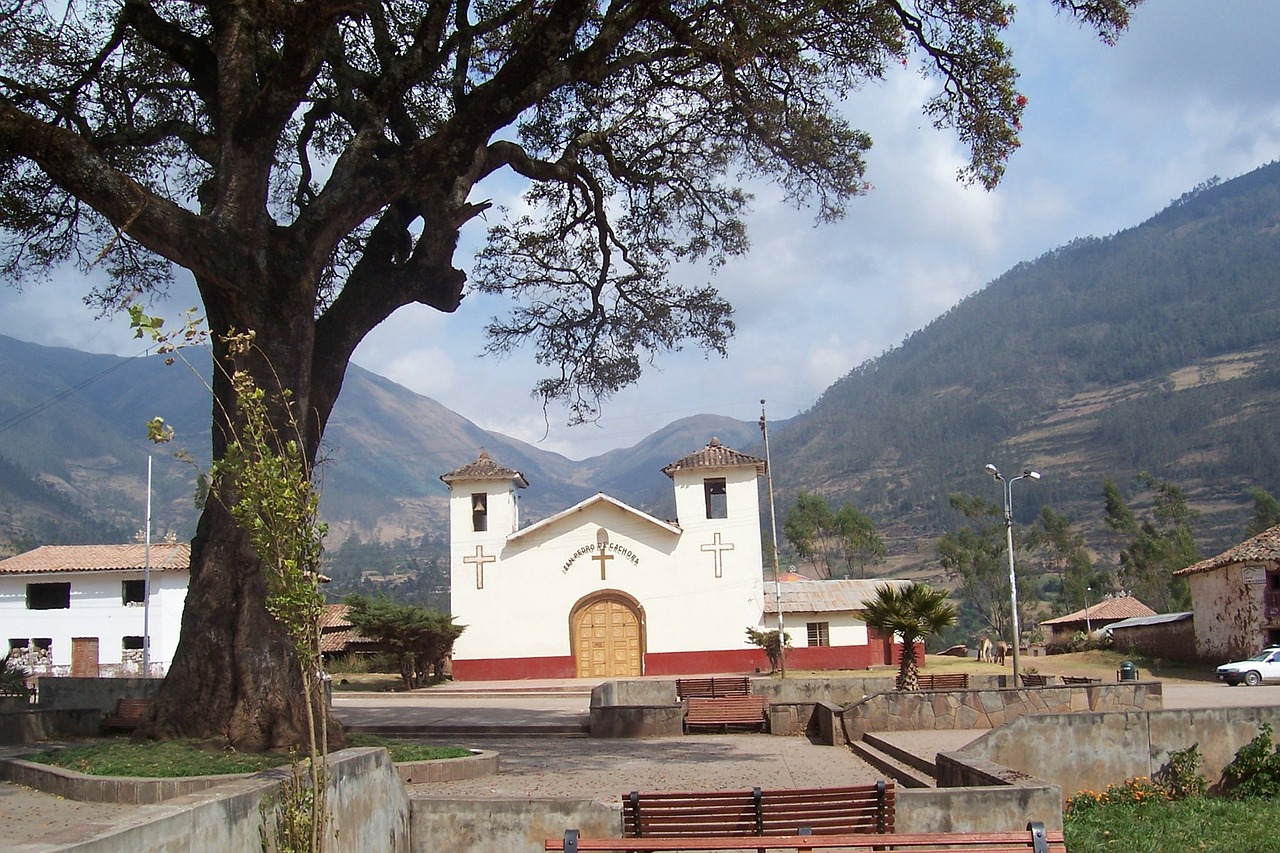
{"type": "Point", "coordinates": [1229, 613]}
{"type": "Point", "coordinates": [524, 608]}
{"type": "Point", "coordinates": [843, 629]}
{"type": "Point", "coordinates": [97, 610]}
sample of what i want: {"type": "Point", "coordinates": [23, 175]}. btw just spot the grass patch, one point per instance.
{"type": "Point", "coordinates": [167, 759]}
{"type": "Point", "coordinates": [408, 750]}
{"type": "Point", "coordinates": [119, 757]}
{"type": "Point", "coordinates": [1207, 824]}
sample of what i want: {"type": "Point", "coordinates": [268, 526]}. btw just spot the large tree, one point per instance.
{"type": "Point", "coordinates": [312, 163]}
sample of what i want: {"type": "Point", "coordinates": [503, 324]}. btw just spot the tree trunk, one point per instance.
{"type": "Point", "coordinates": [235, 675]}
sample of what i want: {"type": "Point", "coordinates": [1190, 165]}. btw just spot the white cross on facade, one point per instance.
{"type": "Point", "coordinates": [478, 561]}
{"type": "Point", "coordinates": [718, 548]}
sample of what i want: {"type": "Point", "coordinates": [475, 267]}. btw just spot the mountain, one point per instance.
{"type": "Point", "coordinates": [1155, 349]}
{"type": "Point", "coordinates": [73, 453]}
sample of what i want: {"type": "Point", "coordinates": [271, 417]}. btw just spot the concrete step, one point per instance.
{"type": "Point", "coordinates": [902, 773]}
{"type": "Point", "coordinates": [465, 730]}
{"type": "Point", "coordinates": [905, 756]}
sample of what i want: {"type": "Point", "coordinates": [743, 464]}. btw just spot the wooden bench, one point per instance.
{"type": "Point", "coordinates": [724, 711]}
{"type": "Point", "coordinates": [127, 715]}
{"type": "Point", "coordinates": [823, 811]}
{"type": "Point", "coordinates": [1080, 679]}
{"type": "Point", "coordinates": [944, 681]}
{"type": "Point", "coordinates": [1034, 680]}
{"type": "Point", "coordinates": [1034, 839]}
{"type": "Point", "coordinates": [733, 685]}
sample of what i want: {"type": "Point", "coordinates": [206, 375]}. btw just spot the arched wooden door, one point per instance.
{"type": "Point", "coordinates": [606, 632]}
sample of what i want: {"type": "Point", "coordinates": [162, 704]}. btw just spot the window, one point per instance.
{"type": "Point", "coordinates": [48, 596]}
{"type": "Point", "coordinates": [819, 633]}
{"type": "Point", "coordinates": [131, 644]}
{"type": "Point", "coordinates": [713, 489]}
{"type": "Point", "coordinates": [479, 512]}
{"type": "Point", "coordinates": [133, 592]}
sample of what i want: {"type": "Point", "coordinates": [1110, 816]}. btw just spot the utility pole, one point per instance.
{"type": "Point", "coordinates": [773, 522]}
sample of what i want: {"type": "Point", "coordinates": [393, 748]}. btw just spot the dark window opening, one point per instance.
{"type": "Point", "coordinates": [717, 499]}
{"type": "Point", "coordinates": [480, 512]}
{"type": "Point", "coordinates": [819, 633]}
{"type": "Point", "coordinates": [133, 592]}
{"type": "Point", "coordinates": [131, 644]}
{"type": "Point", "coordinates": [43, 644]}
{"type": "Point", "coordinates": [48, 596]}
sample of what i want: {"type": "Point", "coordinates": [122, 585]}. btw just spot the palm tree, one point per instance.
{"type": "Point", "coordinates": [914, 611]}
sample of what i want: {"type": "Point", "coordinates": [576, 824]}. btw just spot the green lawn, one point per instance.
{"type": "Point", "coordinates": [165, 759]}
{"type": "Point", "coordinates": [1208, 824]}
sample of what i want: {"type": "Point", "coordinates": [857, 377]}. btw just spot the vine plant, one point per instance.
{"type": "Point", "coordinates": [277, 504]}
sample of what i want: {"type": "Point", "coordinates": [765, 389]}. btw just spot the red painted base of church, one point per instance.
{"type": "Point", "coordinates": [680, 663]}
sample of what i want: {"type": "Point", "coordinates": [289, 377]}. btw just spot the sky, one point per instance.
{"type": "Point", "coordinates": [1110, 136]}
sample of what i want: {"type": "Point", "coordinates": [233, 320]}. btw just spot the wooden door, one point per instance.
{"type": "Point", "coordinates": [607, 640]}
{"type": "Point", "coordinates": [84, 657]}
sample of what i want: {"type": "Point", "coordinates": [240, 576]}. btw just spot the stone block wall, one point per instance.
{"type": "Point", "coordinates": [989, 709]}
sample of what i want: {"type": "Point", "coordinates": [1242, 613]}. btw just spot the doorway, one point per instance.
{"type": "Point", "coordinates": [607, 636]}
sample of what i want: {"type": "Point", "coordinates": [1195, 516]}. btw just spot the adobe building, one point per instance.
{"type": "Point", "coordinates": [604, 590]}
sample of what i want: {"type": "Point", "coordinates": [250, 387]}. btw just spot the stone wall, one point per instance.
{"type": "Point", "coordinates": [368, 803]}
{"type": "Point", "coordinates": [100, 693]}
{"type": "Point", "coordinates": [988, 709]}
{"type": "Point", "coordinates": [1088, 751]}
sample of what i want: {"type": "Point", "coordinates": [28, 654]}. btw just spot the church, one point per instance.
{"type": "Point", "coordinates": [604, 590]}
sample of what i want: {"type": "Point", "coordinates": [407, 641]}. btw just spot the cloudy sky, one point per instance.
{"type": "Point", "coordinates": [1111, 135]}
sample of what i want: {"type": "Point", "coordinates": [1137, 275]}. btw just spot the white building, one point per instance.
{"type": "Point", "coordinates": [80, 609]}
{"type": "Point", "coordinates": [602, 589]}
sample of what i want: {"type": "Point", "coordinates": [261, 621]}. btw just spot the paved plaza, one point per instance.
{"type": "Point", "coordinates": [583, 767]}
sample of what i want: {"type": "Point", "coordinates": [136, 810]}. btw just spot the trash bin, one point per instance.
{"type": "Point", "coordinates": [1128, 672]}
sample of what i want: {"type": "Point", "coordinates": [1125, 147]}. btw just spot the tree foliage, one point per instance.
{"type": "Point", "coordinates": [914, 611]}
{"type": "Point", "coordinates": [1064, 553]}
{"type": "Point", "coordinates": [313, 165]}
{"type": "Point", "coordinates": [419, 639]}
{"type": "Point", "coordinates": [1160, 544]}
{"type": "Point", "coordinates": [1266, 510]}
{"type": "Point", "coordinates": [978, 555]}
{"type": "Point", "coordinates": [774, 648]}
{"type": "Point", "coordinates": [845, 538]}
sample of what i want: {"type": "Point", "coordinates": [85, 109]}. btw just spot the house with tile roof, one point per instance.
{"type": "Point", "coordinates": [1096, 616]}
{"type": "Point", "coordinates": [87, 610]}
{"type": "Point", "coordinates": [1235, 597]}
{"type": "Point", "coordinates": [605, 590]}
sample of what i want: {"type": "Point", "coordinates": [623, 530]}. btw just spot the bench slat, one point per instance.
{"type": "Point", "coordinates": [989, 842]}
{"type": "Point", "coordinates": [857, 808]}
{"type": "Point", "coordinates": [725, 711]}
{"type": "Point", "coordinates": [734, 685]}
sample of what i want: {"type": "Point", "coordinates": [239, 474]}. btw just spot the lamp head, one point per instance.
{"type": "Point", "coordinates": [992, 470]}
{"type": "Point", "coordinates": [1034, 475]}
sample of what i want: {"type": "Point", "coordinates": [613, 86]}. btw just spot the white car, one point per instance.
{"type": "Point", "coordinates": [1264, 666]}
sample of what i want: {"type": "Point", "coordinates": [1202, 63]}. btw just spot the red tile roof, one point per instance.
{"type": "Point", "coordinates": [97, 558]}
{"type": "Point", "coordinates": [485, 468]}
{"type": "Point", "coordinates": [714, 455]}
{"type": "Point", "coordinates": [336, 630]}
{"type": "Point", "coordinates": [1124, 607]}
{"type": "Point", "coordinates": [1260, 549]}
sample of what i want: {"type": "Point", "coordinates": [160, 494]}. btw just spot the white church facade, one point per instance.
{"type": "Point", "coordinates": [602, 589]}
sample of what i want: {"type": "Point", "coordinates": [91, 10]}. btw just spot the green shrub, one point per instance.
{"type": "Point", "coordinates": [1255, 771]}
{"type": "Point", "coordinates": [1181, 777]}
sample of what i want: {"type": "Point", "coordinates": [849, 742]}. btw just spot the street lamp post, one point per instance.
{"type": "Point", "coordinates": [1027, 474]}
{"type": "Point", "coordinates": [1088, 623]}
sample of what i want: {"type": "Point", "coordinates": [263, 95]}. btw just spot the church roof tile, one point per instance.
{"type": "Point", "coordinates": [485, 468]}
{"type": "Point", "coordinates": [714, 455]}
